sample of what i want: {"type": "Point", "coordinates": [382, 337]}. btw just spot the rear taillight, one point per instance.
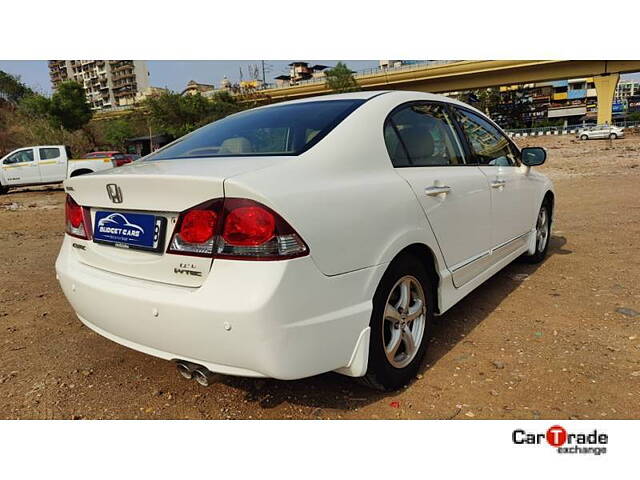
{"type": "Point", "coordinates": [78, 221]}
{"type": "Point", "coordinates": [235, 228]}
{"type": "Point", "coordinates": [120, 162]}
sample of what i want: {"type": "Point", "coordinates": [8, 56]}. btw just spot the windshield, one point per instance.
{"type": "Point", "coordinates": [280, 130]}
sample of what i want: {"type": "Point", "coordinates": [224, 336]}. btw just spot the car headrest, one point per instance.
{"type": "Point", "coordinates": [419, 143]}
{"type": "Point", "coordinates": [235, 145]}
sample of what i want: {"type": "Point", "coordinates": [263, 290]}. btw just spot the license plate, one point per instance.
{"type": "Point", "coordinates": [130, 230]}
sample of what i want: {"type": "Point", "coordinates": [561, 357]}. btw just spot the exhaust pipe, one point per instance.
{"type": "Point", "coordinates": [203, 376]}
{"type": "Point", "coordinates": [200, 374]}
{"type": "Point", "coordinates": [186, 369]}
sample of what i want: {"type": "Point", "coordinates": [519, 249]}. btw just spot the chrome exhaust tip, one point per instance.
{"type": "Point", "coordinates": [203, 376]}
{"type": "Point", "coordinates": [185, 369]}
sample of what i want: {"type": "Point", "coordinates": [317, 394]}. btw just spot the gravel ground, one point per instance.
{"type": "Point", "coordinates": [558, 340]}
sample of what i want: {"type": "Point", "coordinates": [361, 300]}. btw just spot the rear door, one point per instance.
{"type": "Point", "coordinates": [512, 189]}
{"type": "Point", "coordinates": [52, 163]}
{"type": "Point", "coordinates": [601, 131]}
{"type": "Point", "coordinates": [21, 167]}
{"type": "Point", "coordinates": [425, 150]}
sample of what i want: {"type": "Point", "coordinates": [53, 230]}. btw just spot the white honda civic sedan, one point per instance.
{"type": "Point", "coordinates": [309, 236]}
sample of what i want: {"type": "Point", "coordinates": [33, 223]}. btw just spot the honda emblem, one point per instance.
{"type": "Point", "coordinates": [115, 194]}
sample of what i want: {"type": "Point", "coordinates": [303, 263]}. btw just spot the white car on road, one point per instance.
{"type": "Point", "coordinates": [601, 131]}
{"type": "Point", "coordinates": [304, 237]}
{"type": "Point", "coordinates": [45, 164]}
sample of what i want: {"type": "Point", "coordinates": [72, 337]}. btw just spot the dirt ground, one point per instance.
{"type": "Point", "coordinates": [558, 340]}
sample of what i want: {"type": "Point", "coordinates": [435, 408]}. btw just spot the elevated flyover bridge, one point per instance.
{"type": "Point", "coordinates": [472, 74]}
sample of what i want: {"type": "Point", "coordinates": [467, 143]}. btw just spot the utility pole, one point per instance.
{"type": "Point", "coordinates": [264, 79]}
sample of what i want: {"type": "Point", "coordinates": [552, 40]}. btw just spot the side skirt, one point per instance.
{"type": "Point", "coordinates": [464, 272]}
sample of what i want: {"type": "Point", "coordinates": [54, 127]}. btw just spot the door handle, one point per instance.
{"type": "Point", "coordinates": [498, 183]}
{"type": "Point", "coordinates": [437, 190]}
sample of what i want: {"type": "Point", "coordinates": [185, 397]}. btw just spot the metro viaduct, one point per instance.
{"type": "Point", "coordinates": [472, 74]}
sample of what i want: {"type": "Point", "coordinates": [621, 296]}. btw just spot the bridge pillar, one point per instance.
{"type": "Point", "coordinates": [605, 90]}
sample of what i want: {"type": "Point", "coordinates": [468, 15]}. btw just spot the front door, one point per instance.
{"type": "Point", "coordinates": [21, 168]}
{"type": "Point", "coordinates": [512, 191]}
{"type": "Point", "coordinates": [455, 197]}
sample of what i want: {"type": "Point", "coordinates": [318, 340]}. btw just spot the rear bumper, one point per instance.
{"type": "Point", "coordinates": [283, 319]}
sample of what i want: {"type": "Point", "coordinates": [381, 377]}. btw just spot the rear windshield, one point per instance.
{"type": "Point", "coordinates": [279, 130]}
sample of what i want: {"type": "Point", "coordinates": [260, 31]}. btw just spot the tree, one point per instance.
{"type": "Point", "coordinates": [12, 88]}
{"type": "Point", "coordinates": [178, 115]}
{"type": "Point", "coordinates": [486, 99]}
{"type": "Point", "coordinates": [340, 79]}
{"type": "Point", "coordinates": [633, 117]}
{"type": "Point", "coordinates": [69, 107]}
{"type": "Point", "coordinates": [117, 131]}
{"type": "Point", "coordinates": [35, 105]}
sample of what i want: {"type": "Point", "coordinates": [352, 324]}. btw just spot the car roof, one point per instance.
{"type": "Point", "coordinates": [401, 95]}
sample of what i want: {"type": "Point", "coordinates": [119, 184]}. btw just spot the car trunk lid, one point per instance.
{"type": "Point", "coordinates": [135, 196]}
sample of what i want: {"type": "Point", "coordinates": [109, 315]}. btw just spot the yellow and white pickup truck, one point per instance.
{"type": "Point", "coordinates": [46, 164]}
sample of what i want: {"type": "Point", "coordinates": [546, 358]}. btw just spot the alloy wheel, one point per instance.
{"type": "Point", "coordinates": [404, 321]}
{"type": "Point", "coordinates": [542, 230]}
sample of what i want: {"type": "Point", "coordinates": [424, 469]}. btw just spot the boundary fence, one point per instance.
{"type": "Point", "coordinates": [568, 130]}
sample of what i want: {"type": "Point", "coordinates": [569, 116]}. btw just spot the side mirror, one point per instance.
{"type": "Point", "coordinates": [533, 156]}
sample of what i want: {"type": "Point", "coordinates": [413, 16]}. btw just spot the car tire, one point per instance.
{"type": "Point", "coordinates": [584, 137]}
{"type": "Point", "coordinates": [398, 342]}
{"type": "Point", "coordinates": [543, 234]}
{"type": "Point", "coordinates": [613, 136]}
{"type": "Point", "coordinates": [3, 189]}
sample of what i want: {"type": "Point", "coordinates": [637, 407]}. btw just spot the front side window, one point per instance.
{"type": "Point", "coordinates": [279, 130]}
{"type": "Point", "coordinates": [422, 135]}
{"type": "Point", "coordinates": [489, 145]}
{"type": "Point", "coordinates": [21, 156]}
{"type": "Point", "coordinates": [49, 153]}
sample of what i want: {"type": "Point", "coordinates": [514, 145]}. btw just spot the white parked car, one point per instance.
{"type": "Point", "coordinates": [45, 164]}
{"type": "Point", "coordinates": [308, 236]}
{"type": "Point", "coordinates": [600, 131]}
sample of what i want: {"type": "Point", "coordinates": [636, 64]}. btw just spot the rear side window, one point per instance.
{"type": "Point", "coordinates": [279, 130]}
{"type": "Point", "coordinates": [489, 145]}
{"type": "Point", "coordinates": [49, 153]}
{"type": "Point", "coordinates": [422, 135]}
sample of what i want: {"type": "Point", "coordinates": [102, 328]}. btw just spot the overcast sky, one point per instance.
{"type": "Point", "coordinates": [174, 74]}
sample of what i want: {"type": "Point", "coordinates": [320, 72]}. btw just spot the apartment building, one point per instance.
{"type": "Point", "coordinates": [107, 83]}
{"type": "Point", "coordinates": [627, 89]}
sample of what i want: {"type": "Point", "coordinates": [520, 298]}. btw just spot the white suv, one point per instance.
{"type": "Point", "coordinates": [303, 237]}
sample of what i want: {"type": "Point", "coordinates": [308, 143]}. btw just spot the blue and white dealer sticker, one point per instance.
{"type": "Point", "coordinates": [129, 230]}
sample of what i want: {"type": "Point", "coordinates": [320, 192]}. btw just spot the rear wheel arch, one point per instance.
{"type": "Point", "coordinates": [80, 171]}
{"type": "Point", "coordinates": [423, 254]}
{"type": "Point", "coordinates": [550, 198]}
